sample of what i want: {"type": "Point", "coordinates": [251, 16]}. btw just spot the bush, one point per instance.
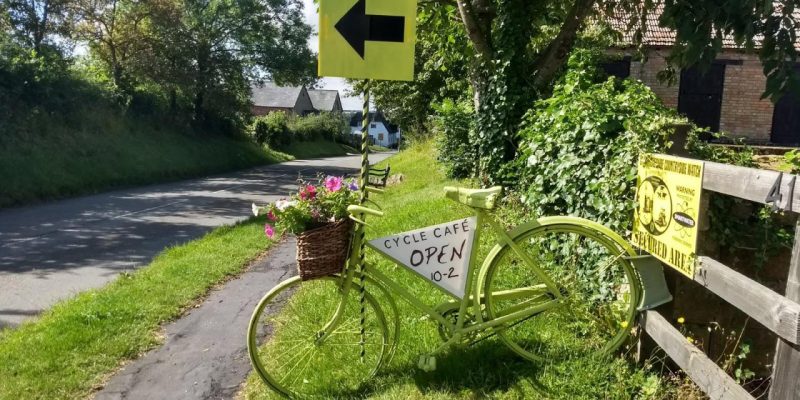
{"type": "Point", "coordinates": [580, 147]}
{"type": "Point", "coordinates": [272, 129]}
{"type": "Point", "coordinates": [278, 130]}
{"type": "Point", "coordinates": [453, 124]}
{"type": "Point", "coordinates": [328, 126]}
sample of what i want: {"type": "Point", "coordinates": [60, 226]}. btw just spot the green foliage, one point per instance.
{"type": "Point", "coordinates": [279, 130]}
{"type": "Point", "coordinates": [579, 148]}
{"type": "Point", "coordinates": [454, 125]}
{"type": "Point", "coordinates": [441, 61]}
{"type": "Point", "coordinates": [792, 158]}
{"type": "Point", "coordinates": [272, 129]}
{"type": "Point", "coordinates": [190, 61]}
{"type": "Point", "coordinates": [313, 206]}
{"type": "Point", "coordinates": [326, 126]}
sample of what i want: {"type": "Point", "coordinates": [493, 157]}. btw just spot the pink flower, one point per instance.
{"type": "Point", "coordinates": [333, 183]}
{"type": "Point", "coordinates": [308, 193]}
{"type": "Point", "coordinates": [271, 216]}
{"type": "Point", "coordinates": [269, 231]}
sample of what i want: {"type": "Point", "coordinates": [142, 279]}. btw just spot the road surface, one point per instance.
{"type": "Point", "coordinates": [204, 355]}
{"type": "Point", "coordinates": [49, 252]}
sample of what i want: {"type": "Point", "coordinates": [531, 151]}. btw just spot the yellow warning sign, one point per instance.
{"type": "Point", "coordinates": [367, 39]}
{"type": "Point", "coordinates": [668, 208]}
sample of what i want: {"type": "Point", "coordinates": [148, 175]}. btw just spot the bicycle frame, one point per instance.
{"type": "Point", "coordinates": [472, 291]}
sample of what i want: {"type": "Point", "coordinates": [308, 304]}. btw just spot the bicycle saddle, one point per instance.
{"type": "Point", "coordinates": [476, 198]}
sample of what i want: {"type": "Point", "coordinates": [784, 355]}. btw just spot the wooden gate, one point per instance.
{"type": "Point", "coordinates": [780, 314]}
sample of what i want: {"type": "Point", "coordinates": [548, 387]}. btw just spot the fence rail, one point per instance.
{"type": "Point", "coordinates": [780, 314]}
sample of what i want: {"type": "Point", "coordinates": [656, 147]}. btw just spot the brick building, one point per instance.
{"type": "Point", "coordinates": [727, 97]}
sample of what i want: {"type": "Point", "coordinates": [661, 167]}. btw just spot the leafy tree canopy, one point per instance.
{"type": "Point", "coordinates": [513, 50]}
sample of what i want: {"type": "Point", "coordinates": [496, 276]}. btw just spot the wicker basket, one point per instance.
{"type": "Point", "coordinates": [323, 251]}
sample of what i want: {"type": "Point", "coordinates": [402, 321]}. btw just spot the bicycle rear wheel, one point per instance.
{"type": "Point", "coordinates": [599, 286]}
{"type": "Point", "coordinates": [284, 346]}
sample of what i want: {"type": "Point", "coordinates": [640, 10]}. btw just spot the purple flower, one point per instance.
{"type": "Point", "coordinates": [269, 231]}
{"type": "Point", "coordinates": [333, 183]}
{"type": "Point", "coordinates": [353, 185]}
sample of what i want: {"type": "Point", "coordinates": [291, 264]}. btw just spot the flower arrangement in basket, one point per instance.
{"type": "Point", "coordinates": [317, 214]}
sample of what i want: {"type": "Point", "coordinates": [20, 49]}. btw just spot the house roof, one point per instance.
{"type": "Point", "coordinates": [374, 117]}
{"type": "Point", "coordinates": [271, 95]}
{"type": "Point", "coordinates": [323, 100]}
{"type": "Point", "coordinates": [657, 36]}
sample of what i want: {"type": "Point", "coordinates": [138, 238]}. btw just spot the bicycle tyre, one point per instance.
{"type": "Point", "coordinates": [282, 339]}
{"type": "Point", "coordinates": [600, 286]}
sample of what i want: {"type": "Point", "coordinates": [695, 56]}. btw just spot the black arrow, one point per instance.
{"type": "Point", "coordinates": [357, 27]}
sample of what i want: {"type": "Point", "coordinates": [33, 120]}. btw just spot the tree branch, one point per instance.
{"type": "Point", "coordinates": [558, 50]}
{"type": "Point", "coordinates": [480, 40]}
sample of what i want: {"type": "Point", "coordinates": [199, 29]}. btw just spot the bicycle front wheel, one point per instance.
{"type": "Point", "coordinates": [599, 286]}
{"type": "Point", "coordinates": [285, 346]}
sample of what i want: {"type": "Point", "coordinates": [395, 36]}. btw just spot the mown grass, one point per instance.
{"type": "Point", "coordinates": [489, 369]}
{"type": "Point", "coordinates": [74, 346]}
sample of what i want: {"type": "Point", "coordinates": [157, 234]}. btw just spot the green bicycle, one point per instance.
{"type": "Point", "coordinates": [567, 271]}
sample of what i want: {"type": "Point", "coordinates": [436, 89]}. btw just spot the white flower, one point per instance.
{"type": "Point", "coordinates": [284, 204]}
{"type": "Point", "coordinates": [255, 209]}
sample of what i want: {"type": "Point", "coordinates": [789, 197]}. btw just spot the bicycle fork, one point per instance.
{"type": "Point", "coordinates": [333, 323]}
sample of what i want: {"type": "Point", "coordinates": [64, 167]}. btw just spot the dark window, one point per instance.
{"type": "Point", "coordinates": [619, 68]}
{"type": "Point", "coordinates": [700, 96]}
{"type": "Point", "coordinates": [786, 119]}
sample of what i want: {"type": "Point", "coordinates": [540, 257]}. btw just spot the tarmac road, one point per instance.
{"type": "Point", "coordinates": [204, 355]}
{"type": "Point", "coordinates": [51, 251]}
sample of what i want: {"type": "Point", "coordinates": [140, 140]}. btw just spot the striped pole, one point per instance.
{"type": "Point", "coordinates": [362, 266]}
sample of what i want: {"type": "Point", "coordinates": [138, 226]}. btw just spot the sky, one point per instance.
{"type": "Point", "coordinates": [312, 18]}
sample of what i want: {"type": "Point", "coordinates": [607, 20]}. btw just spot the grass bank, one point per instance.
{"type": "Point", "coordinates": [75, 345]}
{"type": "Point", "coordinates": [51, 158]}
{"type": "Point", "coordinates": [487, 370]}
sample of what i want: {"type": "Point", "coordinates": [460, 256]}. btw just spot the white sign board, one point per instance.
{"type": "Point", "coordinates": [439, 253]}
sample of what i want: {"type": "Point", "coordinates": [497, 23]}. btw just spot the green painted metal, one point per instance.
{"type": "Point", "coordinates": [476, 286]}
{"type": "Point", "coordinates": [580, 226]}
{"type": "Point", "coordinates": [293, 284]}
{"type": "Point", "coordinates": [537, 299]}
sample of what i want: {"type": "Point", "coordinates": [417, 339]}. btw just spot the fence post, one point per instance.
{"type": "Point", "coordinates": [786, 368]}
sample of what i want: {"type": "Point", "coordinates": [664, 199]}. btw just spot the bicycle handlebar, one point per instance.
{"type": "Point", "coordinates": [356, 209]}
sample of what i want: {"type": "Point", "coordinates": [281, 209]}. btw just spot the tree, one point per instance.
{"type": "Point", "coordinates": [441, 63]}
{"type": "Point", "coordinates": [208, 51]}
{"type": "Point", "coordinates": [518, 48]}
{"type": "Point", "coordinates": [39, 22]}
{"type": "Point", "coordinates": [113, 31]}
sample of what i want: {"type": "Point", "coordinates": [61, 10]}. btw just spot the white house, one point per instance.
{"type": "Point", "coordinates": [381, 131]}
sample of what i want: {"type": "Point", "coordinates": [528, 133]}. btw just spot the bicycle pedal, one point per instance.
{"type": "Point", "coordinates": [427, 363]}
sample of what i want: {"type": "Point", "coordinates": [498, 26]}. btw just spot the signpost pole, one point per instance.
{"type": "Point", "coordinates": [361, 230]}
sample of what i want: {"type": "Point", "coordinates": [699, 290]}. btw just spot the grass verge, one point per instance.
{"type": "Point", "coordinates": [57, 160]}
{"type": "Point", "coordinates": [75, 345]}
{"type": "Point", "coordinates": [487, 370]}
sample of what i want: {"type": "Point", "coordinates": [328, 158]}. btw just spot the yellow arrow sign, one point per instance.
{"type": "Point", "coordinates": [367, 39]}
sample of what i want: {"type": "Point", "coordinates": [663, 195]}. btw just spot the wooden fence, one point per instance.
{"type": "Point", "coordinates": [780, 314]}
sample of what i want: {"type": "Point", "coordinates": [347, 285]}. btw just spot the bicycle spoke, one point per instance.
{"type": "Point", "coordinates": [289, 355]}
